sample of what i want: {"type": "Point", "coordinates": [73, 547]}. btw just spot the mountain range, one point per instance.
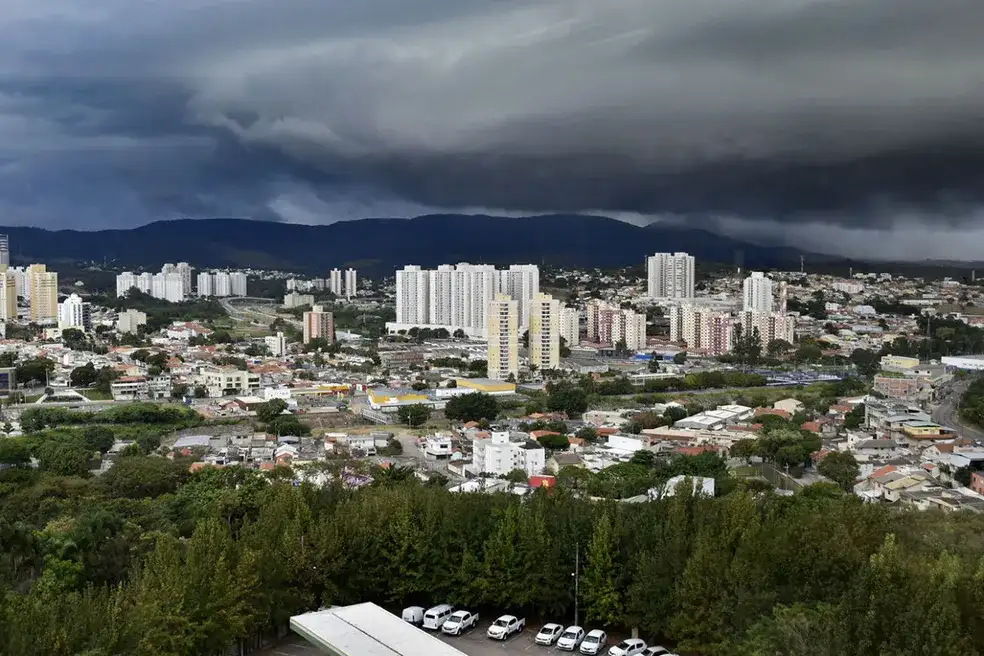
{"type": "Point", "coordinates": [379, 246]}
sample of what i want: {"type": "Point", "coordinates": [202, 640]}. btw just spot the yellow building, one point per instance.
{"type": "Point", "coordinates": [926, 431]}
{"type": "Point", "coordinates": [44, 293]}
{"type": "Point", "coordinates": [385, 398]}
{"type": "Point", "coordinates": [503, 338]}
{"type": "Point", "coordinates": [485, 385]}
{"type": "Point", "coordinates": [898, 362]}
{"type": "Point", "coordinates": [544, 332]}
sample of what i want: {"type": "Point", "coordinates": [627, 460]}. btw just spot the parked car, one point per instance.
{"type": "Point", "coordinates": [459, 621]}
{"type": "Point", "coordinates": [594, 642]}
{"type": "Point", "coordinates": [548, 634]}
{"type": "Point", "coordinates": [628, 647]}
{"type": "Point", "coordinates": [413, 614]}
{"type": "Point", "coordinates": [656, 650]}
{"type": "Point", "coordinates": [570, 638]}
{"type": "Point", "coordinates": [436, 616]}
{"type": "Point", "coordinates": [506, 626]}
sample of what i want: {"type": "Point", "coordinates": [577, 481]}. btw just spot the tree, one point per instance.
{"type": "Point", "coordinates": [271, 410]}
{"type": "Point", "coordinates": [414, 415]}
{"type": "Point", "coordinates": [680, 357]}
{"type": "Point", "coordinates": [459, 334]}
{"type": "Point", "coordinates": [554, 442]}
{"type": "Point", "coordinates": [587, 433]}
{"type": "Point", "coordinates": [854, 418]}
{"type": "Point", "coordinates": [63, 458]}
{"type": "Point", "coordinates": [517, 476]}
{"type": "Point", "coordinates": [14, 452]}
{"type": "Point", "coordinates": [653, 366]}
{"type": "Point", "coordinates": [840, 467]}
{"type": "Point", "coordinates": [567, 397]}
{"type": "Point", "coordinates": [599, 585]}
{"type": "Point", "coordinates": [963, 475]}
{"type": "Point", "coordinates": [83, 376]}
{"type": "Point", "coordinates": [98, 438]}
{"type": "Point", "coordinates": [35, 370]}
{"type": "Point", "coordinates": [104, 379]}
{"type": "Point", "coordinates": [137, 477]}
{"type": "Point", "coordinates": [868, 363]}
{"type": "Point", "coordinates": [472, 407]}
{"type": "Point", "coordinates": [777, 348]}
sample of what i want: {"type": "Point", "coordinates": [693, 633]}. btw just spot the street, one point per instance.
{"type": "Point", "coordinates": [947, 413]}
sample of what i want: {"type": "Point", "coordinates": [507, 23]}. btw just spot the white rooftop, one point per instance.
{"type": "Point", "coordinates": [367, 630]}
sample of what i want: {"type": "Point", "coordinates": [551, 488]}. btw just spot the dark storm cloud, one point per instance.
{"type": "Point", "coordinates": [760, 117]}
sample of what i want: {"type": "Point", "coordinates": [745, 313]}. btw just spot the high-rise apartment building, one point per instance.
{"type": "Point", "coordinates": [169, 268]}
{"type": "Point", "coordinates": [670, 275]}
{"type": "Point", "coordinates": [757, 293]}
{"type": "Point", "coordinates": [319, 324]}
{"type": "Point", "coordinates": [458, 296]}
{"type": "Point", "coordinates": [570, 325]}
{"type": "Point", "coordinates": [769, 325]}
{"type": "Point", "coordinates": [184, 270]}
{"type": "Point", "coordinates": [237, 283]}
{"type": "Point", "coordinates": [412, 299]}
{"type": "Point", "coordinates": [544, 332]}
{"type": "Point", "coordinates": [73, 312]}
{"type": "Point", "coordinates": [145, 282]}
{"type": "Point", "coordinates": [522, 283]}
{"type": "Point", "coordinates": [502, 335]}
{"type": "Point", "coordinates": [351, 283]}
{"type": "Point", "coordinates": [44, 294]}
{"type": "Point", "coordinates": [167, 287]}
{"type": "Point", "coordinates": [335, 282]}
{"type": "Point", "coordinates": [124, 283]}
{"type": "Point", "coordinates": [130, 321]}
{"type": "Point", "coordinates": [205, 284]}
{"type": "Point", "coordinates": [701, 329]}
{"type": "Point", "coordinates": [629, 328]}
{"type": "Point", "coordinates": [221, 284]}
{"type": "Point", "coordinates": [4, 250]}
{"type": "Point", "coordinates": [8, 296]}
{"type": "Point", "coordinates": [277, 344]}
{"type": "Point", "coordinates": [594, 309]}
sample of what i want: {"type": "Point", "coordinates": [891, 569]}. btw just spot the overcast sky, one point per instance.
{"type": "Point", "coordinates": [852, 127]}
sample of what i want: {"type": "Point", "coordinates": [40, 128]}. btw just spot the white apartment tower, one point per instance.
{"type": "Point", "coordinates": [411, 295]}
{"type": "Point", "coordinates": [168, 286]}
{"type": "Point", "coordinates": [73, 312]}
{"type": "Point", "coordinates": [757, 293]}
{"type": "Point", "coordinates": [628, 327]}
{"type": "Point", "coordinates": [124, 283]}
{"type": "Point", "coordinates": [8, 296]}
{"type": "Point", "coordinates": [351, 283]}
{"type": "Point", "coordinates": [670, 275]}
{"type": "Point", "coordinates": [502, 335]}
{"type": "Point", "coordinates": [335, 282]}
{"type": "Point", "coordinates": [570, 325]}
{"type": "Point", "coordinates": [4, 250]}
{"type": "Point", "coordinates": [544, 351]}
{"type": "Point", "coordinates": [522, 283]}
{"type": "Point", "coordinates": [130, 320]}
{"type": "Point", "coordinates": [277, 344]}
{"type": "Point", "coordinates": [205, 284]}
{"type": "Point", "coordinates": [237, 283]}
{"type": "Point", "coordinates": [221, 284]}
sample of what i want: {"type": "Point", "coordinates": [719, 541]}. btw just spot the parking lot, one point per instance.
{"type": "Point", "coordinates": [473, 643]}
{"type": "Point", "coordinates": [476, 643]}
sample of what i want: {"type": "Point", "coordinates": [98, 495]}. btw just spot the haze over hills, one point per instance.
{"type": "Point", "coordinates": [379, 246]}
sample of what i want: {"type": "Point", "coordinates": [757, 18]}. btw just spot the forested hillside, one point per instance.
{"type": "Point", "coordinates": [98, 567]}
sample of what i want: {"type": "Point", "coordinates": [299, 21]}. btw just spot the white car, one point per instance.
{"type": "Point", "coordinates": [594, 642]}
{"type": "Point", "coordinates": [656, 650]}
{"type": "Point", "coordinates": [628, 647]}
{"type": "Point", "coordinates": [548, 634]}
{"type": "Point", "coordinates": [570, 638]}
{"type": "Point", "coordinates": [459, 621]}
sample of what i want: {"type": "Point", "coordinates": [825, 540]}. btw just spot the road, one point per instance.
{"type": "Point", "coordinates": [947, 413]}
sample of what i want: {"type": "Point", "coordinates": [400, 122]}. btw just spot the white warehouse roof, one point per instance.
{"type": "Point", "coordinates": [367, 630]}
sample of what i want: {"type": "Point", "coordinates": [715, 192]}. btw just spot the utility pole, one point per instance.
{"type": "Point", "coordinates": [577, 576]}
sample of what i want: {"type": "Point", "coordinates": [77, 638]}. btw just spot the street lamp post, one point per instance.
{"type": "Point", "coordinates": [576, 575]}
